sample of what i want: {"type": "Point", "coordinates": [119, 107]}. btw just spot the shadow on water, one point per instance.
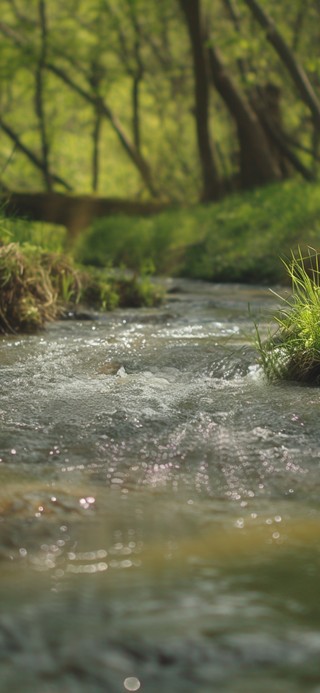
{"type": "Point", "coordinates": [159, 505]}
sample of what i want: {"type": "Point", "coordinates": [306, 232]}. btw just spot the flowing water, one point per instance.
{"type": "Point", "coordinates": [159, 505]}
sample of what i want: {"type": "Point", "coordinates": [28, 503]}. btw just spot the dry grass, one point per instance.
{"type": "Point", "coordinates": [27, 296]}
{"type": "Point", "coordinates": [38, 286]}
{"type": "Point", "coordinates": [34, 287]}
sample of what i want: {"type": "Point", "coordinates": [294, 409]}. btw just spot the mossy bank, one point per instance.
{"type": "Point", "coordinates": [238, 239]}
{"type": "Point", "coordinates": [37, 286]}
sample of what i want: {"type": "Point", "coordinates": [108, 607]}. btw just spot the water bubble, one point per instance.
{"type": "Point", "coordinates": [132, 683]}
{"type": "Point", "coordinates": [239, 523]}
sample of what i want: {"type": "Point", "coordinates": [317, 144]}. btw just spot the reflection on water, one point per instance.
{"type": "Point", "coordinates": [159, 505]}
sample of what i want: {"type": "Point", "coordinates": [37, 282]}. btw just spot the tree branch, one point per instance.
{"type": "Point", "coordinates": [105, 111]}
{"type": "Point", "coordinates": [29, 154]}
{"type": "Point", "coordinates": [288, 58]}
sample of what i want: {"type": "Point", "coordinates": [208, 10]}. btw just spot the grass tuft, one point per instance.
{"type": "Point", "coordinates": [293, 352]}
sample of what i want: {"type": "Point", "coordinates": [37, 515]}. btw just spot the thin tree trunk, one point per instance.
{"type": "Point", "coordinates": [136, 71]}
{"type": "Point", "coordinates": [233, 14]}
{"type": "Point", "coordinates": [236, 21]}
{"type": "Point", "coordinates": [298, 24]}
{"type": "Point", "coordinates": [96, 133]}
{"type": "Point", "coordinates": [210, 177]}
{"type": "Point", "coordinates": [315, 151]}
{"type": "Point", "coordinates": [288, 58]}
{"type": "Point", "coordinates": [39, 98]}
{"type": "Point", "coordinates": [137, 74]}
{"type": "Point", "coordinates": [136, 111]}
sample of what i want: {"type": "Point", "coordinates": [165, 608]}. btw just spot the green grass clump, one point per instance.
{"type": "Point", "coordinates": [105, 289]}
{"type": "Point", "coordinates": [293, 352]}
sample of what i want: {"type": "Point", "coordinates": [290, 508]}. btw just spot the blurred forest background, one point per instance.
{"type": "Point", "coordinates": [177, 100]}
{"type": "Point", "coordinates": [165, 105]}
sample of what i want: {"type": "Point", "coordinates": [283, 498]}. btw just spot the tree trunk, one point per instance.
{"type": "Point", "coordinates": [96, 132]}
{"type": "Point", "coordinates": [210, 176]}
{"type": "Point", "coordinates": [39, 96]}
{"type": "Point", "coordinates": [286, 55]}
{"type": "Point", "coordinates": [258, 165]}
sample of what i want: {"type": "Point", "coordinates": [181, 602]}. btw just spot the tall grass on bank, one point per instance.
{"type": "Point", "coordinates": [293, 352]}
{"type": "Point", "coordinates": [37, 286]}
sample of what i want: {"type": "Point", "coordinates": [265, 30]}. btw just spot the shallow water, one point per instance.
{"type": "Point", "coordinates": [159, 505]}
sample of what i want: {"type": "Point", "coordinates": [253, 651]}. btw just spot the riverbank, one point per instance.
{"type": "Point", "coordinates": [38, 286]}
{"type": "Point", "coordinates": [240, 239]}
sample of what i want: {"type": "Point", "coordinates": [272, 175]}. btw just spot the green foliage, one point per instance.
{"type": "Point", "coordinates": [238, 239]}
{"type": "Point", "coordinates": [136, 57]}
{"type": "Point", "coordinates": [114, 242]}
{"type": "Point", "coordinates": [293, 352]}
{"type": "Point", "coordinates": [50, 237]}
{"type": "Point", "coordinates": [106, 289]}
{"type": "Point", "coordinates": [250, 231]}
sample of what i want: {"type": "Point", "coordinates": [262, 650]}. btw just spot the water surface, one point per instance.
{"type": "Point", "coordinates": [159, 501]}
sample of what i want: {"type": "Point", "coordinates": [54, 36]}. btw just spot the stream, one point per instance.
{"type": "Point", "coordinates": [159, 504]}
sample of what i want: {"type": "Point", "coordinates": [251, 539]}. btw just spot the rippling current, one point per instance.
{"type": "Point", "coordinates": [159, 505]}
